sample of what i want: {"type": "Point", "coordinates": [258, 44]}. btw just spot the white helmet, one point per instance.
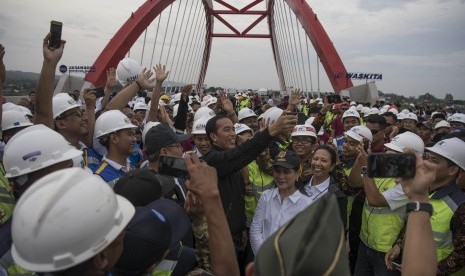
{"type": "Point", "coordinates": [272, 114]}
{"type": "Point", "coordinates": [204, 111]}
{"type": "Point", "coordinates": [177, 97]}
{"type": "Point", "coordinates": [359, 133]}
{"type": "Point", "coordinates": [393, 110]}
{"type": "Point", "coordinates": [458, 117]}
{"type": "Point", "coordinates": [372, 111]}
{"type": "Point", "coordinates": [9, 106]}
{"type": "Point", "coordinates": [140, 106]}
{"type": "Point", "coordinates": [405, 111]}
{"type": "Point", "coordinates": [452, 149]}
{"type": "Point", "coordinates": [13, 119]}
{"type": "Point", "coordinates": [359, 107]}
{"type": "Point", "coordinates": [128, 70]}
{"type": "Point", "coordinates": [304, 130]}
{"type": "Point", "coordinates": [245, 113]}
{"type": "Point", "coordinates": [400, 116]}
{"type": "Point", "coordinates": [111, 121]}
{"type": "Point", "coordinates": [365, 110]}
{"type": "Point", "coordinates": [411, 116]}
{"type": "Point", "coordinates": [352, 103]}
{"type": "Point", "coordinates": [210, 101]}
{"type": "Point", "coordinates": [60, 221]}
{"type": "Point", "coordinates": [200, 125]}
{"type": "Point", "coordinates": [350, 113]}
{"type": "Point", "coordinates": [62, 102]}
{"type": "Point", "coordinates": [441, 124]}
{"type": "Point", "coordinates": [147, 127]}
{"type": "Point", "coordinates": [22, 156]}
{"type": "Point", "coordinates": [241, 128]}
{"type": "Point", "coordinates": [25, 110]}
{"type": "Point", "coordinates": [406, 140]}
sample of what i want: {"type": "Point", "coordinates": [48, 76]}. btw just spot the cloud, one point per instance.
{"type": "Point", "coordinates": [418, 45]}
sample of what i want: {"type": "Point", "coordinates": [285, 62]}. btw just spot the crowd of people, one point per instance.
{"type": "Point", "coordinates": [208, 184]}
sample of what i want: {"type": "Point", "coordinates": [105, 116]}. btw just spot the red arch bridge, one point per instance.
{"type": "Point", "coordinates": [180, 33]}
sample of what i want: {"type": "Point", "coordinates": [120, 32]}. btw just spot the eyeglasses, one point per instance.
{"type": "Point", "coordinates": [302, 141]}
{"type": "Point", "coordinates": [78, 114]}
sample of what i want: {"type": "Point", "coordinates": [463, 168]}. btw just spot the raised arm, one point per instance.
{"type": "Point", "coordinates": [160, 76]}
{"type": "Point", "coordinates": [180, 121]}
{"type": "Point", "coordinates": [89, 100]}
{"type": "Point", "coordinates": [231, 161]}
{"type": "Point", "coordinates": [109, 85]}
{"type": "Point", "coordinates": [45, 86]}
{"type": "Point", "coordinates": [124, 96]}
{"type": "Point", "coordinates": [419, 256]}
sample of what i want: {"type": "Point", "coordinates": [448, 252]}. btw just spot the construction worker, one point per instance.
{"type": "Point", "coordinates": [62, 228]}
{"type": "Point", "coordinates": [24, 164]}
{"type": "Point", "coordinates": [350, 118]}
{"type": "Point", "coordinates": [201, 140]}
{"type": "Point", "coordinates": [72, 122]}
{"type": "Point", "coordinates": [380, 225]}
{"type": "Point", "coordinates": [114, 131]}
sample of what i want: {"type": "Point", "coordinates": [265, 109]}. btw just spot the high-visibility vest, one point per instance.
{"type": "Point", "coordinates": [350, 199]}
{"type": "Point", "coordinates": [7, 200]}
{"type": "Point", "coordinates": [260, 181]}
{"type": "Point", "coordinates": [445, 202]}
{"type": "Point", "coordinates": [380, 226]}
{"type": "Point", "coordinates": [329, 117]}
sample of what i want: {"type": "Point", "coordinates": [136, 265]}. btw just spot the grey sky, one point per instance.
{"type": "Point", "coordinates": [419, 46]}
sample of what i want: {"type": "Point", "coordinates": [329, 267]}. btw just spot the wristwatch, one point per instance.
{"type": "Point", "coordinates": [364, 170]}
{"type": "Point", "coordinates": [418, 206]}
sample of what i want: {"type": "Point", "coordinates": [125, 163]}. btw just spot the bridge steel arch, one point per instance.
{"type": "Point", "coordinates": [130, 31]}
{"type": "Point", "coordinates": [139, 20]}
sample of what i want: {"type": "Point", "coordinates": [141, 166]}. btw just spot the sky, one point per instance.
{"type": "Point", "coordinates": [418, 45]}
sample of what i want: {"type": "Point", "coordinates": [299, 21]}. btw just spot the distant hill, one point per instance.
{"type": "Point", "coordinates": [20, 83]}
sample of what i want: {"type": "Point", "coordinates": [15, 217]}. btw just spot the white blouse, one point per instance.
{"type": "Point", "coordinates": [271, 214]}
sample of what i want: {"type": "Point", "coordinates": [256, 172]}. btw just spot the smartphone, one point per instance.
{"type": "Point", "coordinates": [173, 166]}
{"type": "Point", "coordinates": [99, 92]}
{"type": "Point", "coordinates": [384, 165]}
{"type": "Point", "coordinates": [55, 35]}
{"type": "Point", "coordinates": [334, 98]}
{"type": "Point", "coordinates": [396, 265]}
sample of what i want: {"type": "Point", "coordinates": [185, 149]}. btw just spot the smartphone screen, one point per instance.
{"type": "Point", "coordinates": [384, 165]}
{"type": "Point", "coordinates": [173, 166]}
{"type": "Point", "coordinates": [55, 35]}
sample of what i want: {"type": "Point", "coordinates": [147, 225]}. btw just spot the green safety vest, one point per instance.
{"type": "Point", "coordinates": [7, 200]}
{"type": "Point", "coordinates": [445, 202]}
{"type": "Point", "coordinates": [11, 267]}
{"type": "Point", "coordinates": [244, 103]}
{"type": "Point", "coordinates": [260, 182]}
{"type": "Point", "coordinates": [329, 117]}
{"type": "Point", "coordinates": [350, 199]}
{"type": "Point", "coordinates": [380, 226]}
{"type": "Point", "coordinates": [304, 109]}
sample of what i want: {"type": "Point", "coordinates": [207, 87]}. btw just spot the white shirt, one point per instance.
{"type": "Point", "coordinates": [396, 197]}
{"type": "Point", "coordinates": [271, 214]}
{"type": "Point", "coordinates": [118, 166]}
{"type": "Point", "coordinates": [270, 102]}
{"type": "Point", "coordinates": [316, 191]}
